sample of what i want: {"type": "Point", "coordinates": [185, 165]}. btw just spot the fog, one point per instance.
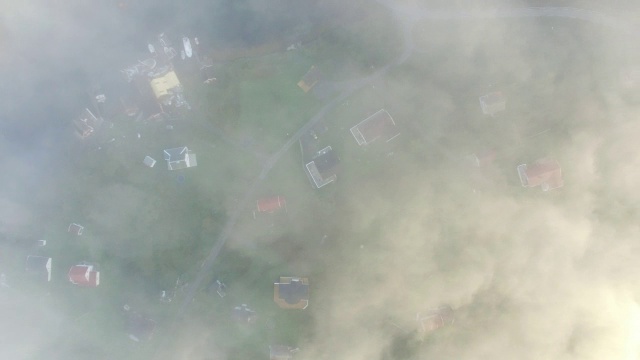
{"type": "Point", "coordinates": [529, 274]}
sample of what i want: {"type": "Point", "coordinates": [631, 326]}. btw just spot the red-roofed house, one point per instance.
{"type": "Point", "coordinates": [484, 158]}
{"type": "Point", "coordinates": [310, 79]}
{"type": "Point", "coordinates": [544, 172]}
{"type": "Point", "coordinates": [377, 126]}
{"type": "Point", "coordinates": [271, 204]}
{"type": "Point", "coordinates": [84, 275]}
{"type": "Point", "coordinates": [434, 319]}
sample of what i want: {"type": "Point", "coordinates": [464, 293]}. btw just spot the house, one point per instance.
{"type": "Point", "coordinates": [84, 275]}
{"type": "Point", "coordinates": [86, 124]}
{"type": "Point", "coordinates": [281, 352]}
{"type": "Point", "coordinates": [377, 126]}
{"type": "Point", "coordinates": [139, 328]}
{"type": "Point", "coordinates": [39, 267]}
{"type": "Point", "coordinates": [434, 319]}
{"type": "Point", "coordinates": [272, 204]}
{"type": "Point", "coordinates": [149, 161]}
{"type": "Point", "coordinates": [165, 87]}
{"type": "Point", "coordinates": [180, 158]}
{"type": "Point", "coordinates": [493, 103]}
{"type": "Point", "coordinates": [310, 79]}
{"type": "Point", "coordinates": [291, 292]}
{"type": "Point", "coordinates": [545, 173]}
{"type": "Point", "coordinates": [483, 158]}
{"type": "Point", "coordinates": [243, 314]}
{"type": "Point", "coordinates": [321, 169]}
{"type": "Point", "coordinates": [75, 229]}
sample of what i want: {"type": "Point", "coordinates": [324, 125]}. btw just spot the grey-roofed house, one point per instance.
{"type": "Point", "coordinates": [493, 103]}
{"type": "Point", "coordinates": [321, 169]}
{"type": "Point", "coordinates": [180, 158]}
{"type": "Point", "coordinates": [149, 161]}
{"type": "Point", "coordinates": [281, 352]}
{"type": "Point", "coordinates": [39, 267]}
{"type": "Point", "coordinates": [244, 314]}
{"type": "Point", "coordinates": [86, 124]}
{"type": "Point", "coordinates": [380, 125]}
{"type": "Point", "coordinates": [140, 328]}
{"type": "Point", "coordinates": [291, 292]}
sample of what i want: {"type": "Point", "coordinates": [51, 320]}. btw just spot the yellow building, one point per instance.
{"type": "Point", "coordinates": [162, 85]}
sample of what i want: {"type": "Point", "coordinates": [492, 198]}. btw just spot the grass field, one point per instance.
{"type": "Point", "coordinates": [256, 102]}
{"type": "Point", "coordinates": [146, 229]}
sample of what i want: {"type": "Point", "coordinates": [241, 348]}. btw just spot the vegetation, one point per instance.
{"type": "Point", "coordinates": [150, 231]}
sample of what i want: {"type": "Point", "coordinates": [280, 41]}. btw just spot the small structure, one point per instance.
{"type": "Point", "coordinates": [321, 169]}
{"type": "Point", "coordinates": [271, 205]}
{"type": "Point", "coordinates": [75, 229]}
{"type": "Point", "coordinates": [41, 243]}
{"type": "Point", "coordinates": [281, 352]}
{"type": "Point", "coordinates": [544, 172]}
{"type": "Point", "coordinates": [139, 328]}
{"type": "Point", "coordinates": [39, 267]}
{"type": "Point", "coordinates": [149, 161]}
{"type": "Point", "coordinates": [86, 124]}
{"type": "Point", "coordinates": [493, 103]}
{"type": "Point", "coordinates": [310, 79]}
{"type": "Point", "coordinates": [291, 292]}
{"type": "Point", "coordinates": [434, 319]}
{"type": "Point", "coordinates": [180, 158]}
{"type": "Point", "coordinates": [377, 126]}
{"type": "Point", "coordinates": [243, 314]}
{"type": "Point", "coordinates": [85, 275]}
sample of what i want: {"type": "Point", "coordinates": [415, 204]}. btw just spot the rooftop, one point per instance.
{"type": "Point", "coordinates": [163, 86]}
{"type": "Point", "coordinates": [322, 168]}
{"type": "Point", "coordinates": [435, 318]}
{"type": "Point", "coordinates": [180, 158]}
{"type": "Point", "coordinates": [84, 275]}
{"type": "Point", "coordinates": [39, 266]}
{"type": "Point", "coordinates": [140, 328]}
{"type": "Point", "coordinates": [493, 103]}
{"type": "Point", "coordinates": [545, 173]}
{"type": "Point", "coordinates": [380, 125]}
{"type": "Point", "coordinates": [75, 229]}
{"type": "Point", "coordinates": [86, 124]}
{"type": "Point", "coordinates": [310, 79]}
{"type": "Point", "coordinates": [271, 204]}
{"type": "Point", "coordinates": [291, 292]}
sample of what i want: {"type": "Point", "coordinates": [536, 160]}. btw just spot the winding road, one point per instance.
{"type": "Point", "coordinates": [406, 17]}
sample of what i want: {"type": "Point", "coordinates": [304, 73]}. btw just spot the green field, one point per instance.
{"type": "Point", "coordinates": [148, 228]}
